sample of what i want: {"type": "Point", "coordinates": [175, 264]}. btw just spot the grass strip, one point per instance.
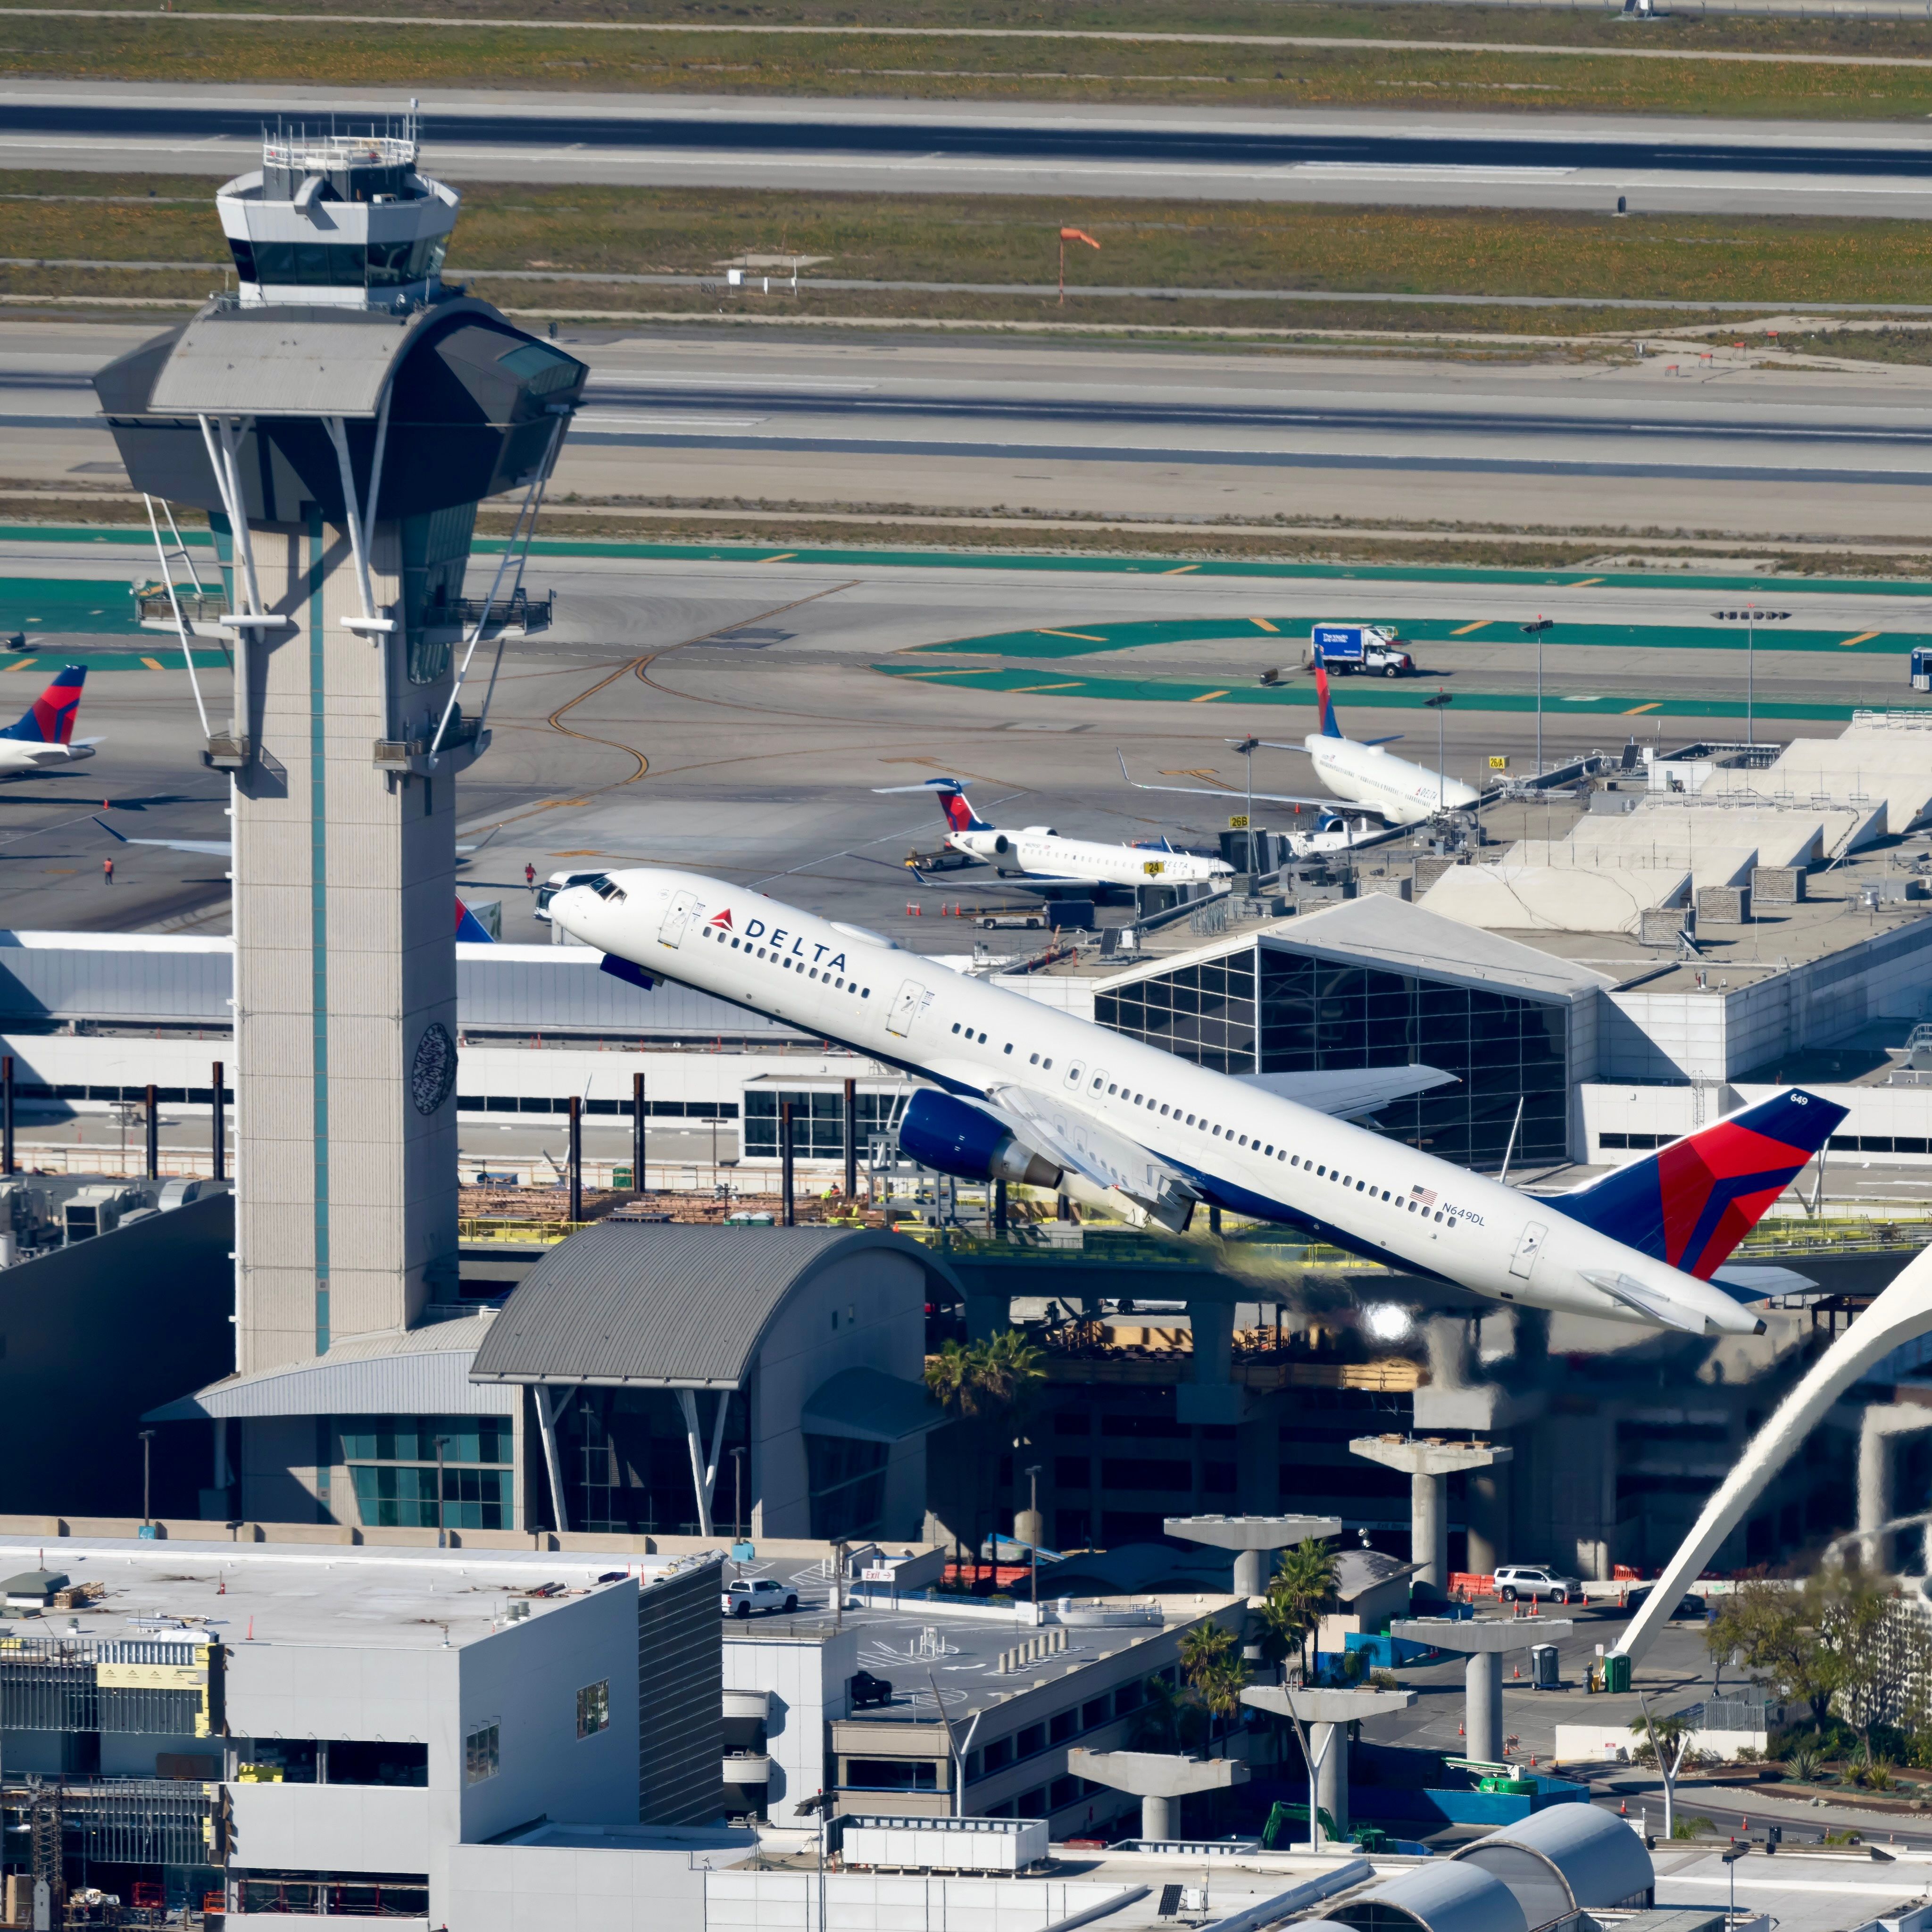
{"type": "Point", "coordinates": [1503, 254]}
{"type": "Point", "coordinates": [875, 63]}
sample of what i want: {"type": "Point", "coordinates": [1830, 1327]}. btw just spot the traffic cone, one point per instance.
{"type": "Point", "coordinates": [1623, 1810]}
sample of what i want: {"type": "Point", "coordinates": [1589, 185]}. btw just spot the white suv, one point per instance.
{"type": "Point", "coordinates": [761, 1594]}
{"type": "Point", "coordinates": [1537, 1579]}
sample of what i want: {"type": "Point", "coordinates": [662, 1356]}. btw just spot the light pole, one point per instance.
{"type": "Point", "coordinates": [147, 1470]}
{"type": "Point", "coordinates": [1536, 631]}
{"type": "Point", "coordinates": [1246, 746]}
{"type": "Point", "coordinates": [1730, 1858]}
{"type": "Point", "coordinates": [1438, 704]}
{"type": "Point", "coordinates": [1751, 616]}
{"type": "Point", "coordinates": [737, 1494]}
{"type": "Point", "coordinates": [1033, 1511]}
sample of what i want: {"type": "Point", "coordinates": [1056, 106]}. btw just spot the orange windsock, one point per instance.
{"type": "Point", "coordinates": [1077, 234]}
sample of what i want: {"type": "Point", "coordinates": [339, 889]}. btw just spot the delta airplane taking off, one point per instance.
{"type": "Point", "coordinates": [1360, 771]}
{"type": "Point", "coordinates": [44, 736]}
{"type": "Point", "coordinates": [1039, 854]}
{"type": "Point", "coordinates": [1027, 1094]}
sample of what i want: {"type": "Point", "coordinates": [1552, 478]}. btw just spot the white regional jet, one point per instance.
{"type": "Point", "coordinates": [1022, 1093]}
{"type": "Point", "coordinates": [1363, 773]}
{"type": "Point", "coordinates": [44, 736]}
{"type": "Point", "coordinates": [1039, 854]}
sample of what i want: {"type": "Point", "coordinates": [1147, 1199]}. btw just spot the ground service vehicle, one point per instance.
{"type": "Point", "coordinates": [1347, 648]}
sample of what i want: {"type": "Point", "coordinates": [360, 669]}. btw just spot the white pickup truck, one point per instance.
{"type": "Point", "coordinates": [759, 1593]}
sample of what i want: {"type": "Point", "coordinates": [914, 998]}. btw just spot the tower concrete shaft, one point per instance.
{"type": "Point", "coordinates": [345, 969]}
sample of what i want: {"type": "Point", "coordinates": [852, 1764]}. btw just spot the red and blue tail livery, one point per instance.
{"type": "Point", "coordinates": [959, 816]}
{"type": "Point", "coordinates": [1690, 1204]}
{"type": "Point", "coordinates": [1330, 729]}
{"type": "Point", "coordinates": [50, 719]}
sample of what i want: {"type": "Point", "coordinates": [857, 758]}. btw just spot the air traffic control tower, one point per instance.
{"type": "Point", "coordinates": [340, 420]}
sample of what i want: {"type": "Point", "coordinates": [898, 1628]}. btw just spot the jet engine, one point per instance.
{"type": "Point", "coordinates": [958, 1138]}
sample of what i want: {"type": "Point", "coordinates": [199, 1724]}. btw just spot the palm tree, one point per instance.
{"type": "Point", "coordinates": [1215, 1673]}
{"type": "Point", "coordinates": [1302, 1587]}
{"type": "Point", "coordinates": [1168, 1719]}
{"type": "Point", "coordinates": [977, 1383]}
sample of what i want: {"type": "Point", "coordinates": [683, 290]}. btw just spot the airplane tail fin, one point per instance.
{"type": "Point", "coordinates": [470, 929]}
{"type": "Point", "coordinates": [1330, 729]}
{"type": "Point", "coordinates": [959, 815]}
{"type": "Point", "coordinates": [1690, 1204]}
{"type": "Point", "coordinates": [50, 719]}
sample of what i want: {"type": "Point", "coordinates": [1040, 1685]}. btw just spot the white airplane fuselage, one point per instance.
{"type": "Point", "coordinates": [1242, 1148]}
{"type": "Point", "coordinates": [24, 754]}
{"type": "Point", "coordinates": [1404, 793]}
{"type": "Point", "coordinates": [1040, 854]}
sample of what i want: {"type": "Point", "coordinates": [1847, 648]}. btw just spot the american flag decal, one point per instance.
{"type": "Point", "coordinates": [1425, 1196]}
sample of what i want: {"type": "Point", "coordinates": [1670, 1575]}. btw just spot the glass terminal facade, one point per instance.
{"type": "Point", "coordinates": [1267, 1009]}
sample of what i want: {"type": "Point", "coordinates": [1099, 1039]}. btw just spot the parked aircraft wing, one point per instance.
{"type": "Point", "coordinates": [215, 848]}
{"type": "Point", "coordinates": [1350, 1092]}
{"type": "Point", "coordinates": [1075, 1139]}
{"type": "Point", "coordinates": [1326, 802]}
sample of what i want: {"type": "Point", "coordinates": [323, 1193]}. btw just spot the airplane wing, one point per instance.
{"type": "Point", "coordinates": [1349, 1094]}
{"type": "Point", "coordinates": [1328, 802]}
{"type": "Point", "coordinates": [1110, 1160]}
{"type": "Point", "coordinates": [215, 848]}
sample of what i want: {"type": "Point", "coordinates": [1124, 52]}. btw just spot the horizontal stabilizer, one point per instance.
{"type": "Point", "coordinates": [1750, 1283]}
{"type": "Point", "coordinates": [1351, 1092]}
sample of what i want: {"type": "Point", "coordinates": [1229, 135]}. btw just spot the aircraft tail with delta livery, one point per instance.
{"type": "Point", "coordinates": [44, 735]}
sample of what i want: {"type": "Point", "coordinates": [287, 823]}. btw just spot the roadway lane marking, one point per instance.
{"type": "Point", "coordinates": [783, 556]}
{"type": "Point", "coordinates": [1180, 570]}
{"type": "Point", "coordinates": [1085, 637]}
{"type": "Point", "coordinates": [1586, 583]}
{"type": "Point", "coordinates": [1206, 695]}
{"type": "Point", "coordinates": [1476, 626]}
{"type": "Point", "coordinates": [153, 664]}
{"type": "Point", "coordinates": [24, 663]}
{"type": "Point", "coordinates": [1638, 710]}
{"type": "Point", "coordinates": [1863, 637]}
{"type": "Point", "coordinates": [1423, 171]}
{"type": "Point", "coordinates": [1264, 624]}
{"type": "Point", "coordinates": [1021, 690]}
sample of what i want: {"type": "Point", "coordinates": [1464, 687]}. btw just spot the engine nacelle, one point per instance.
{"type": "Point", "coordinates": [957, 1138]}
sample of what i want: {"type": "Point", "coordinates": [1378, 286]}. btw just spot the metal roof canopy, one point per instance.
{"type": "Point", "coordinates": [632, 1305]}
{"type": "Point", "coordinates": [1570, 1857]}
{"type": "Point", "coordinates": [425, 1371]}
{"type": "Point", "coordinates": [868, 1405]}
{"type": "Point", "coordinates": [282, 362]}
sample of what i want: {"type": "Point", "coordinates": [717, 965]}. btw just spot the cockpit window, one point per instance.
{"type": "Point", "coordinates": [606, 887]}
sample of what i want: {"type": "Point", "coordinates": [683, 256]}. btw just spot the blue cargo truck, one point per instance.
{"type": "Point", "coordinates": [1370, 648]}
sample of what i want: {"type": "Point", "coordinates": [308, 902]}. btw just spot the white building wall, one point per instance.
{"type": "Point", "coordinates": [525, 1679]}
{"type": "Point", "coordinates": [807, 1683]}
{"type": "Point", "coordinates": [868, 1313]}
{"type": "Point", "coordinates": [1609, 1108]}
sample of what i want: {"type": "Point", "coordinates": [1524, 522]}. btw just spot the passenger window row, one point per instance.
{"type": "Point", "coordinates": [784, 960]}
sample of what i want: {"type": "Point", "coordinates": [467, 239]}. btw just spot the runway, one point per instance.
{"type": "Point", "coordinates": [1341, 156]}
{"type": "Point", "coordinates": [1676, 440]}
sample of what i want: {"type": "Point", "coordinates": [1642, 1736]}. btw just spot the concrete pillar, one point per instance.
{"type": "Point", "coordinates": [1156, 1817]}
{"type": "Point", "coordinates": [1483, 1707]}
{"type": "Point", "coordinates": [986, 1316]}
{"type": "Point", "coordinates": [1429, 1528]}
{"type": "Point", "coordinates": [1258, 1465]}
{"type": "Point", "coordinates": [1250, 1577]}
{"type": "Point", "coordinates": [1489, 1506]}
{"type": "Point", "coordinates": [1213, 1326]}
{"type": "Point", "coordinates": [1330, 1744]}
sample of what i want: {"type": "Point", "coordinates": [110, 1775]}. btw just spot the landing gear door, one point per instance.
{"type": "Point", "coordinates": [1529, 1245]}
{"type": "Point", "coordinates": [905, 1004]}
{"type": "Point", "coordinates": [677, 916]}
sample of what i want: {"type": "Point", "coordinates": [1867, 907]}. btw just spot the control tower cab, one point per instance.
{"type": "Point", "coordinates": [341, 219]}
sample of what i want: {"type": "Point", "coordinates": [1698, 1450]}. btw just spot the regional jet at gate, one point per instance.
{"type": "Point", "coordinates": [1020, 1092]}
{"type": "Point", "coordinates": [1357, 770]}
{"type": "Point", "coordinates": [1042, 857]}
